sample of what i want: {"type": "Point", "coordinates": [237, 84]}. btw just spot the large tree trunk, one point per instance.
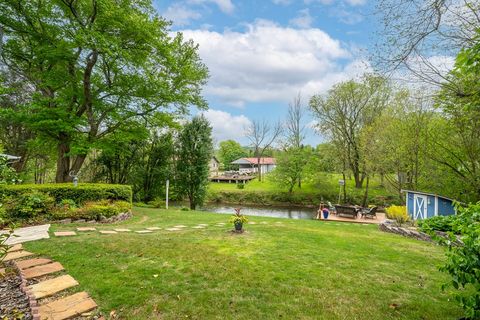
{"type": "Point", "coordinates": [67, 165]}
{"type": "Point", "coordinates": [63, 163]}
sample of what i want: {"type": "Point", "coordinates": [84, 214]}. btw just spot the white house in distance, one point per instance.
{"type": "Point", "coordinates": [213, 166]}
{"type": "Point", "coordinates": [249, 165]}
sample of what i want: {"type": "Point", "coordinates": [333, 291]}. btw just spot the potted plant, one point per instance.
{"type": "Point", "coordinates": [238, 220]}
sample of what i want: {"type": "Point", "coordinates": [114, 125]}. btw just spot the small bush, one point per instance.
{"type": "Point", "coordinates": [157, 203]}
{"type": "Point", "coordinates": [439, 223]}
{"type": "Point", "coordinates": [397, 213]}
{"type": "Point", "coordinates": [29, 205]}
{"type": "Point", "coordinates": [96, 210]}
{"type": "Point", "coordinates": [240, 186]}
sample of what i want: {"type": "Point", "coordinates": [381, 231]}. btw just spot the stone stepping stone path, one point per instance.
{"type": "Point", "coordinates": [52, 286]}
{"type": "Point", "coordinates": [173, 229]}
{"type": "Point", "coordinates": [144, 231]}
{"type": "Point", "coordinates": [28, 234]}
{"type": "Point", "coordinates": [62, 308]}
{"type": "Point", "coordinates": [16, 247]}
{"type": "Point", "coordinates": [65, 233]}
{"type": "Point", "coordinates": [122, 230]}
{"type": "Point", "coordinates": [107, 232]}
{"type": "Point", "coordinates": [199, 227]}
{"type": "Point", "coordinates": [17, 254]}
{"type": "Point", "coordinates": [252, 222]}
{"type": "Point", "coordinates": [42, 270]}
{"type": "Point", "coordinates": [153, 228]}
{"type": "Point", "coordinates": [203, 224]}
{"type": "Point", "coordinates": [25, 264]}
{"type": "Point", "coordinates": [180, 226]}
{"type": "Point", "coordinates": [68, 307]}
{"type": "Point", "coordinates": [86, 229]}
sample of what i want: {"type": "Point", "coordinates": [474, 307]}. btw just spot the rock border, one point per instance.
{"type": "Point", "coordinates": [33, 303]}
{"type": "Point", "coordinates": [409, 233]}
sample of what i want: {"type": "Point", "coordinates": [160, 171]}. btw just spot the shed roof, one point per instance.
{"type": "Point", "coordinates": [427, 194]}
{"type": "Point", "coordinates": [254, 161]}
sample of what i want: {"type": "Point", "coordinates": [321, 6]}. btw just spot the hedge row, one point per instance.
{"type": "Point", "coordinates": [80, 194]}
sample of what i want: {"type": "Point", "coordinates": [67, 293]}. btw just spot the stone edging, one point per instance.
{"type": "Point", "coordinates": [409, 233]}
{"type": "Point", "coordinates": [32, 302]}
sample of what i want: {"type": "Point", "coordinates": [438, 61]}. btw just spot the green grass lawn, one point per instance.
{"type": "Point", "coordinates": [295, 269]}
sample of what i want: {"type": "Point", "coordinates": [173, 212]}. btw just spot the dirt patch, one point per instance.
{"type": "Point", "coordinates": [14, 304]}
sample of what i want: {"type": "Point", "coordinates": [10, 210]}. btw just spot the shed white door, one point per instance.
{"type": "Point", "coordinates": [419, 207]}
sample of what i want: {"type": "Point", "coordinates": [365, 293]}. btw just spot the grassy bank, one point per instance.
{"type": "Point", "coordinates": [324, 188]}
{"type": "Point", "coordinates": [291, 269]}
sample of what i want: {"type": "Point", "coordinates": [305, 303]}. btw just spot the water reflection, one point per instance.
{"type": "Point", "coordinates": [260, 211]}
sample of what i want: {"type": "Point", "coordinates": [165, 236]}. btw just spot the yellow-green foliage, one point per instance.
{"type": "Point", "coordinates": [397, 213]}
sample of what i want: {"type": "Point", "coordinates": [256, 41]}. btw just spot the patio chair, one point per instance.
{"type": "Point", "coordinates": [370, 213]}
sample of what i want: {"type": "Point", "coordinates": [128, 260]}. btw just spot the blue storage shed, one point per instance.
{"type": "Point", "coordinates": [423, 205]}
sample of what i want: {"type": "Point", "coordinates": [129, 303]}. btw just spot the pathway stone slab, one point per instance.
{"type": "Point", "coordinates": [25, 264]}
{"type": "Point", "coordinates": [42, 270]}
{"type": "Point", "coordinates": [173, 229]}
{"type": "Point", "coordinates": [122, 230]}
{"type": "Point", "coordinates": [144, 231]}
{"type": "Point", "coordinates": [16, 247]}
{"type": "Point", "coordinates": [198, 227]}
{"type": "Point", "coordinates": [28, 234]}
{"type": "Point", "coordinates": [153, 228]}
{"type": "Point", "coordinates": [252, 222]}
{"type": "Point", "coordinates": [180, 226]}
{"type": "Point", "coordinates": [67, 307]}
{"type": "Point", "coordinates": [107, 232]}
{"type": "Point", "coordinates": [203, 224]}
{"type": "Point", "coordinates": [50, 287]}
{"type": "Point", "coordinates": [65, 233]}
{"type": "Point", "coordinates": [86, 229]}
{"type": "Point", "coordinates": [16, 255]}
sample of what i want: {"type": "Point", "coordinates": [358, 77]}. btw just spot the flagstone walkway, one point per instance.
{"type": "Point", "coordinates": [28, 234]}
{"type": "Point", "coordinates": [47, 286]}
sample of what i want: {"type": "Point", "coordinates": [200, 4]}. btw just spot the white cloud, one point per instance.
{"type": "Point", "coordinates": [282, 2]}
{"type": "Point", "coordinates": [302, 20]}
{"type": "Point", "coordinates": [326, 2]}
{"type": "Point", "coordinates": [226, 126]}
{"type": "Point", "coordinates": [270, 63]}
{"type": "Point", "coordinates": [346, 16]}
{"type": "Point", "coordinates": [225, 6]}
{"type": "Point", "coordinates": [356, 2]}
{"type": "Point", "coordinates": [180, 15]}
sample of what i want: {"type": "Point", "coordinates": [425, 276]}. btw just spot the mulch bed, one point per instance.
{"type": "Point", "coordinates": [14, 303]}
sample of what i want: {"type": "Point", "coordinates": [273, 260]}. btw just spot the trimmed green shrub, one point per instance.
{"type": "Point", "coordinates": [28, 205]}
{"type": "Point", "coordinates": [82, 193]}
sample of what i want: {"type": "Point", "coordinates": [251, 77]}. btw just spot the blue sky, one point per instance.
{"type": "Point", "coordinates": [262, 53]}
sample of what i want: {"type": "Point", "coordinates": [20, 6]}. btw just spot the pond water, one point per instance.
{"type": "Point", "coordinates": [263, 211]}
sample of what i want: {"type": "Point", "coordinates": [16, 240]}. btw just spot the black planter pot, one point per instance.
{"type": "Point", "coordinates": [238, 226]}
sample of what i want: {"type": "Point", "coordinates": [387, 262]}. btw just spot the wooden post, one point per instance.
{"type": "Point", "coordinates": [166, 196]}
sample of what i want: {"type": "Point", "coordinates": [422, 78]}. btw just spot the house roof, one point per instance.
{"type": "Point", "coordinates": [427, 194]}
{"type": "Point", "coordinates": [265, 161]}
{"type": "Point", "coordinates": [215, 159]}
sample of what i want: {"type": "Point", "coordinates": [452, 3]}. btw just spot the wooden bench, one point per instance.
{"type": "Point", "coordinates": [347, 211]}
